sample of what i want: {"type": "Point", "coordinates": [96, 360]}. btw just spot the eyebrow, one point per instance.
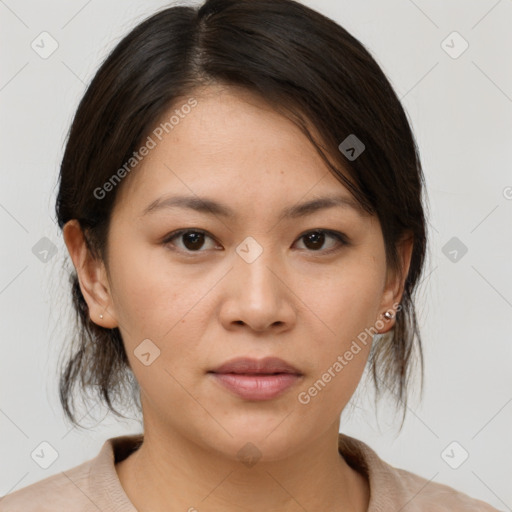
{"type": "Point", "coordinates": [210, 206]}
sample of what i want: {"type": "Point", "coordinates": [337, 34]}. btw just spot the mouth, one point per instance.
{"type": "Point", "coordinates": [252, 379]}
{"type": "Point", "coordinates": [257, 386]}
{"type": "Point", "coordinates": [249, 366]}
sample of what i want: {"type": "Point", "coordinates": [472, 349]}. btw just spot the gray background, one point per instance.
{"type": "Point", "coordinates": [460, 107]}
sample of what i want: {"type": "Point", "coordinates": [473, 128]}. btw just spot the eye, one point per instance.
{"type": "Point", "coordinates": [314, 240]}
{"type": "Point", "coordinates": [192, 239]}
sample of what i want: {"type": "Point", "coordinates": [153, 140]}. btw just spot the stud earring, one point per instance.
{"type": "Point", "coordinates": [388, 315]}
{"type": "Point", "coordinates": [101, 316]}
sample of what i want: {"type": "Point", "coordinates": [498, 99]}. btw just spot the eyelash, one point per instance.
{"type": "Point", "coordinates": [340, 237]}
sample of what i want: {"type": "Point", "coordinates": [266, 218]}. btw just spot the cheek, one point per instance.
{"type": "Point", "coordinates": [167, 307]}
{"type": "Point", "coordinates": [148, 298]}
{"type": "Point", "coordinates": [344, 308]}
{"type": "Point", "coordinates": [157, 306]}
{"type": "Point", "coordinates": [345, 301]}
{"type": "Point", "coordinates": [154, 301]}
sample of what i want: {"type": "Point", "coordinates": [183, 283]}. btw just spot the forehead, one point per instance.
{"type": "Point", "coordinates": [234, 147]}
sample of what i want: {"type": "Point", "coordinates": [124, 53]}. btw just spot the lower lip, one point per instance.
{"type": "Point", "coordinates": [257, 387]}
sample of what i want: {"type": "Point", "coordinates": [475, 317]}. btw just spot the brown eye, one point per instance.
{"type": "Point", "coordinates": [192, 240]}
{"type": "Point", "coordinates": [315, 240]}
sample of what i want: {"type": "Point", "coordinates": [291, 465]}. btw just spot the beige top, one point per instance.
{"type": "Point", "coordinates": [94, 486]}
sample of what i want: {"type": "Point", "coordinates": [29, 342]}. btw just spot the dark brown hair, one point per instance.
{"type": "Point", "coordinates": [304, 65]}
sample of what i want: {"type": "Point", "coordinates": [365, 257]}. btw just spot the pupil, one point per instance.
{"type": "Point", "coordinates": [193, 238]}
{"type": "Point", "coordinates": [316, 237]}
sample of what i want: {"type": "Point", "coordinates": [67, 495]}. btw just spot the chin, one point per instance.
{"type": "Point", "coordinates": [265, 439]}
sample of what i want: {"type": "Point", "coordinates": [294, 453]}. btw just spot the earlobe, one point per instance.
{"type": "Point", "coordinates": [395, 285]}
{"type": "Point", "coordinates": [92, 276]}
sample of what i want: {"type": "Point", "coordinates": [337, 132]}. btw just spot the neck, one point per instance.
{"type": "Point", "coordinates": [170, 472]}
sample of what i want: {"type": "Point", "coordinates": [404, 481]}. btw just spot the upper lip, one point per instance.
{"type": "Point", "coordinates": [267, 365]}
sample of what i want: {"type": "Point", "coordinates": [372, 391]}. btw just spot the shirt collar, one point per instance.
{"type": "Point", "coordinates": [110, 494]}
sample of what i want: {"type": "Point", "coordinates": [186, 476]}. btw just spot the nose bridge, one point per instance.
{"type": "Point", "coordinates": [259, 297]}
{"type": "Point", "coordinates": [253, 267]}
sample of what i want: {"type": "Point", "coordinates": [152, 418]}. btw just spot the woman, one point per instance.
{"type": "Point", "coordinates": [241, 198]}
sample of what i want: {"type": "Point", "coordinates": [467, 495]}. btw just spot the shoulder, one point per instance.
{"type": "Point", "coordinates": [89, 487]}
{"type": "Point", "coordinates": [394, 489]}
{"type": "Point", "coordinates": [67, 490]}
{"type": "Point", "coordinates": [423, 494]}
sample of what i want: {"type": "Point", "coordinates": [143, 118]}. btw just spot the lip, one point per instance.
{"type": "Point", "coordinates": [257, 387]}
{"type": "Point", "coordinates": [257, 379]}
{"type": "Point", "coordinates": [246, 365]}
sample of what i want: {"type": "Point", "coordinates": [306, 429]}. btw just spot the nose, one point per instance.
{"type": "Point", "coordinates": [258, 296]}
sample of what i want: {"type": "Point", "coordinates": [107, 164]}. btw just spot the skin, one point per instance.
{"type": "Point", "coordinates": [295, 301]}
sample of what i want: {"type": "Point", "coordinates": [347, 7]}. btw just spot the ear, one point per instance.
{"type": "Point", "coordinates": [92, 276]}
{"type": "Point", "coordinates": [395, 283]}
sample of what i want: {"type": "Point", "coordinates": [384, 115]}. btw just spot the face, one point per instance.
{"type": "Point", "coordinates": [191, 289]}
